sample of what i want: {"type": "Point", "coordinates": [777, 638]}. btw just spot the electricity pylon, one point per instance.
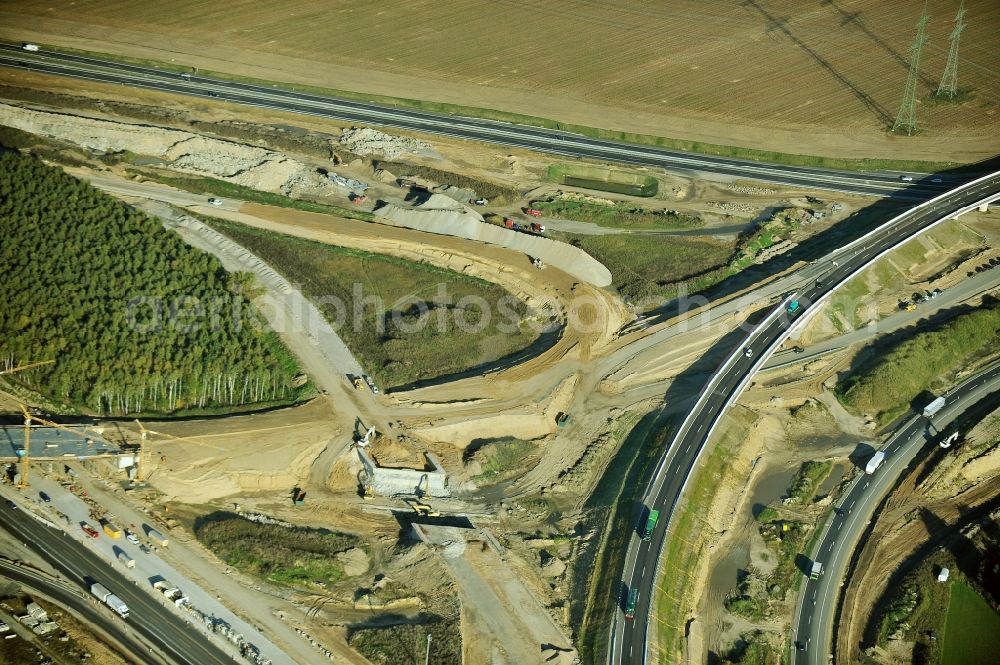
{"type": "Point", "coordinates": [906, 120]}
{"type": "Point", "coordinates": [949, 81]}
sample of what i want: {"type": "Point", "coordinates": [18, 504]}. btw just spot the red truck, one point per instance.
{"type": "Point", "coordinates": [533, 212]}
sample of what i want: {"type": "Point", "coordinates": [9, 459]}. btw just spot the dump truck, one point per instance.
{"type": "Point", "coordinates": [156, 536]}
{"type": "Point", "coordinates": [111, 600]}
{"type": "Point", "coordinates": [931, 409]}
{"type": "Point", "coordinates": [816, 571]}
{"type": "Point", "coordinates": [875, 462]}
{"type": "Point", "coordinates": [112, 530]}
{"type": "Point", "coordinates": [536, 228]}
{"type": "Point", "coordinates": [647, 533]}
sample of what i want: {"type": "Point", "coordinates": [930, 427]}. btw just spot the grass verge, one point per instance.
{"type": "Point", "coordinates": [887, 384]}
{"type": "Point", "coordinates": [403, 321]}
{"type": "Point", "coordinates": [620, 215]}
{"type": "Point", "coordinates": [232, 190]}
{"type": "Point", "coordinates": [406, 643]}
{"type": "Point", "coordinates": [769, 156]}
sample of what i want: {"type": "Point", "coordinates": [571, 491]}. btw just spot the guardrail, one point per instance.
{"type": "Point", "coordinates": [780, 339]}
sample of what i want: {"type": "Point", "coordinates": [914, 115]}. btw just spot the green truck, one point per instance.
{"type": "Point", "coordinates": [647, 533]}
{"type": "Point", "coordinates": [633, 598]}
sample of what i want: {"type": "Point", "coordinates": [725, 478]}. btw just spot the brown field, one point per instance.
{"type": "Point", "coordinates": [817, 76]}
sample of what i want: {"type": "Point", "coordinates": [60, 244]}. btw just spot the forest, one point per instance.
{"type": "Point", "coordinates": [135, 320]}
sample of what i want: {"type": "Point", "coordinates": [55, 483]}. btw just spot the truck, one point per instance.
{"type": "Point", "coordinates": [102, 593]}
{"type": "Point", "coordinates": [27, 46]}
{"type": "Point", "coordinates": [647, 533]}
{"type": "Point", "coordinates": [113, 530]}
{"type": "Point", "coordinates": [816, 570]}
{"type": "Point", "coordinates": [633, 598]}
{"type": "Point", "coordinates": [931, 409]}
{"type": "Point", "coordinates": [124, 558]}
{"type": "Point", "coordinates": [533, 212]}
{"type": "Point", "coordinates": [875, 462]}
{"type": "Point", "coordinates": [156, 536]}
{"type": "Point", "coordinates": [793, 307]}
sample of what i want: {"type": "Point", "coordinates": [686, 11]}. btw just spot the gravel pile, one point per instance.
{"type": "Point", "coordinates": [366, 141]}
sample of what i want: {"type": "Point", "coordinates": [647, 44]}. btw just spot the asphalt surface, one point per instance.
{"type": "Point", "coordinates": [167, 631]}
{"type": "Point", "coordinates": [80, 603]}
{"type": "Point", "coordinates": [488, 131]}
{"type": "Point", "coordinates": [818, 601]}
{"type": "Point", "coordinates": [628, 639]}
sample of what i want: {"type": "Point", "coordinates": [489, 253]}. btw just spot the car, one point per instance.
{"type": "Point", "coordinates": [45, 497]}
{"type": "Point", "coordinates": [89, 530]}
{"type": "Point", "coordinates": [185, 75]}
{"type": "Point", "coordinates": [748, 352]}
{"type": "Point", "coordinates": [144, 549]}
{"type": "Point", "coordinates": [215, 94]}
{"type": "Point", "coordinates": [906, 178]}
{"type": "Point", "coordinates": [371, 384]}
{"type": "Point", "coordinates": [797, 349]}
{"type": "Point", "coordinates": [819, 284]}
{"type": "Point", "coordinates": [12, 505]}
{"type": "Point", "coordinates": [935, 179]}
{"type": "Point", "coordinates": [481, 202]}
{"type": "Point", "coordinates": [214, 201]}
{"type": "Point", "coordinates": [131, 537]}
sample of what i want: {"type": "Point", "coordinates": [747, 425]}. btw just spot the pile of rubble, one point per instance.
{"type": "Point", "coordinates": [367, 141]}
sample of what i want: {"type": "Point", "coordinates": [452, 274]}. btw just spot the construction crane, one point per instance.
{"type": "Point", "coordinates": [21, 368]}
{"type": "Point", "coordinates": [26, 453]}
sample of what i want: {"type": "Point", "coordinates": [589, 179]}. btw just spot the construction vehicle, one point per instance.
{"type": "Point", "coordinates": [111, 600]}
{"type": "Point", "coordinates": [875, 462]}
{"type": "Point", "coordinates": [647, 533]}
{"type": "Point", "coordinates": [112, 529]}
{"type": "Point", "coordinates": [931, 409]}
{"type": "Point", "coordinates": [910, 306]}
{"type": "Point", "coordinates": [358, 200]}
{"type": "Point", "coordinates": [537, 263]}
{"type": "Point", "coordinates": [508, 223]}
{"type": "Point", "coordinates": [299, 497]}
{"type": "Point", "coordinates": [371, 384]}
{"type": "Point", "coordinates": [422, 509]}
{"type": "Point", "coordinates": [535, 227]}
{"type": "Point", "coordinates": [562, 419]}
{"type": "Point", "coordinates": [89, 530]}
{"type": "Point", "coordinates": [356, 380]}
{"type": "Point", "coordinates": [532, 212]}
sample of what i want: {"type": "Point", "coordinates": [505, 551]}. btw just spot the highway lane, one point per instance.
{"type": "Point", "coordinates": [818, 600]}
{"type": "Point", "coordinates": [628, 639]}
{"type": "Point", "coordinates": [156, 622]}
{"type": "Point", "coordinates": [80, 603]}
{"type": "Point", "coordinates": [534, 138]}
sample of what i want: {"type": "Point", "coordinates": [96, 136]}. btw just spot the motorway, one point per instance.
{"type": "Point", "coordinates": [487, 131]}
{"type": "Point", "coordinates": [81, 604]}
{"type": "Point", "coordinates": [77, 563]}
{"type": "Point", "coordinates": [817, 604]}
{"type": "Point", "coordinates": [628, 639]}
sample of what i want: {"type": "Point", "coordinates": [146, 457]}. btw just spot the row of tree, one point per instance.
{"type": "Point", "coordinates": [95, 285]}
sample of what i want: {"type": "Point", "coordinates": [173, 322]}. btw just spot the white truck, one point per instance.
{"type": "Point", "coordinates": [111, 600]}
{"type": "Point", "coordinates": [124, 558]}
{"type": "Point", "coordinates": [931, 409]}
{"type": "Point", "coordinates": [875, 462]}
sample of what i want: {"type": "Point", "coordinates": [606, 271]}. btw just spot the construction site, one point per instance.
{"type": "Point", "coordinates": [452, 488]}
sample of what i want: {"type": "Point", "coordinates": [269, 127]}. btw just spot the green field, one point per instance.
{"type": "Point", "coordinates": [392, 339]}
{"type": "Point", "coordinates": [620, 215]}
{"type": "Point", "coordinates": [971, 629]}
{"type": "Point", "coordinates": [650, 266]}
